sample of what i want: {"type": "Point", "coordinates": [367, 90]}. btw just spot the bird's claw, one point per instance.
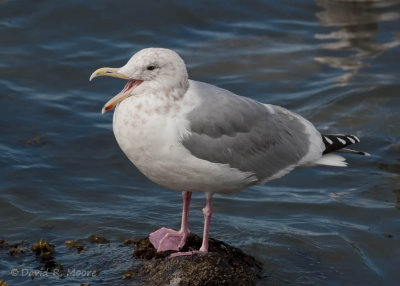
{"type": "Point", "coordinates": [168, 239]}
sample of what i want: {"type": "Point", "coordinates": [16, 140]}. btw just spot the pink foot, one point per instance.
{"type": "Point", "coordinates": [187, 253]}
{"type": "Point", "coordinates": [168, 239]}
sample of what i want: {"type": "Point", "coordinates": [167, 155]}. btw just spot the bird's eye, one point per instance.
{"type": "Point", "coordinates": [150, 68]}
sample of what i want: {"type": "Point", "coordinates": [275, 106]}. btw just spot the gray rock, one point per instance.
{"type": "Point", "coordinates": [223, 265]}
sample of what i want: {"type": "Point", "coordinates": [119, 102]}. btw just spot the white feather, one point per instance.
{"type": "Point", "coordinates": [351, 139]}
{"type": "Point", "coordinates": [328, 140]}
{"type": "Point", "coordinates": [332, 160]}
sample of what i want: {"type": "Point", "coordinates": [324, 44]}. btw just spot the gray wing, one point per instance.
{"type": "Point", "coordinates": [247, 135]}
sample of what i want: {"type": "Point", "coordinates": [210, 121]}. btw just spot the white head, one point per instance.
{"type": "Point", "coordinates": [149, 70]}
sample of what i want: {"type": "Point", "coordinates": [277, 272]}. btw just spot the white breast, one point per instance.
{"type": "Point", "coordinates": [150, 134]}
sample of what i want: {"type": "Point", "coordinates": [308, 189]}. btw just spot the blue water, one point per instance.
{"type": "Point", "coordinates": [63, 177]}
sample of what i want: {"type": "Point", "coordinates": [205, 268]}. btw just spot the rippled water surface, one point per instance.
{"type": "Point", "coordinates": [62, 175]}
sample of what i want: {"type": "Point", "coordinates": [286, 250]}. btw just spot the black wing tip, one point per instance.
{"type": "Point", "coordinates": [337, 142]}
{"type": "Point", "coordinates": [346, 150]}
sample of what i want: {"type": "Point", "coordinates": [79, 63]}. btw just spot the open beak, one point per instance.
{"type": "Point", "coordinates": [107, 72]}
{"type": "Point", "coordinates": [126, 92]}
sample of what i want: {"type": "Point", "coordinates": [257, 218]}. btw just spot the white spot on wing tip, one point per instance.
{"type": "Point", "coordinates": [328, 140]}
{"type": "Point", "coordinates": [351, 139]}
{"type": "Point", "coordinates": [357, 139]}
{"type": "Point", "coordinates": [341, 141]}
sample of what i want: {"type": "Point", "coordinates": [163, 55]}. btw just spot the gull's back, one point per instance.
{"type": "Point", "coordinates": [265, 140]}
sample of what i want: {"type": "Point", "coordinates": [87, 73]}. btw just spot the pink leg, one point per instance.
{"type": "Point", "coordinates": [169, 239]}
{"type": "Point", "coordinates": [185, 211]}
{"type": "Point", "coordinates": [207, 212]}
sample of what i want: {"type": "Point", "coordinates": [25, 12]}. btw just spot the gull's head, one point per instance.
{"type": "Point", "coordinates": [149, 70]}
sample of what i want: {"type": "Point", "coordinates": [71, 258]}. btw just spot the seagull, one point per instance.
{"type": "Point", "coordinates": [191, 136]}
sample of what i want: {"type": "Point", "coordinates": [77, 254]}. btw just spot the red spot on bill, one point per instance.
{"type": "Point", "coordinates": [108, 107]}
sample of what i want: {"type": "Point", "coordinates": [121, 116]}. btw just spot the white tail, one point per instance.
{"type": "Point", "coordinates": [331, 160]}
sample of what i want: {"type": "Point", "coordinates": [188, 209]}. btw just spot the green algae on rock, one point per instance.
{"type": "Point", "coordinates": [98, 239]}
{"type": "Point", "coordinates": [15, 251]}
{"type": "Point", "coordinates": [43, 247]}
{"type": "Point", "coordinates": [37, 140]}
{"type": "Point", "coordinates": [13, 248]}
{"type": "Point", "coordinates": [74, 244]}
{"type": "Point", "coordinates": [130, 241]}
{"type": "Point", "coordinates": [45, 253]}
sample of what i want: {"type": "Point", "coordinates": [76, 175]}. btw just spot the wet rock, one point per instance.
{"type": "Point", "coordinates": [15, 250]}
{"type": "Point", "coordinates": [45, 253]}
{"type": "Point", "coordinates": [223, 265]}
{"type": "Point", "coordinates": [128, 275]}
{"type": "Point", "coordinates": [43, 247]}
{"type": "Point", "coordinates": [3, 243]}
{"type": "Point", "coordinates": [145, 250]}
{"type": "Point", "coordinates": [131, 241]}
{"type": "Point", "coordinates": [74, 244]}
{"type": "Point", "coordinates": [37, 140]}
{"type": "Point", "coordinates": [98, 239]}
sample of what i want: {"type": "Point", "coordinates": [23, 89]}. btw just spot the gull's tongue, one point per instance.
{"type": "Point", "coordinates": [128, 85]}
{"type": "Point", "coordinates": [124, 93]}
